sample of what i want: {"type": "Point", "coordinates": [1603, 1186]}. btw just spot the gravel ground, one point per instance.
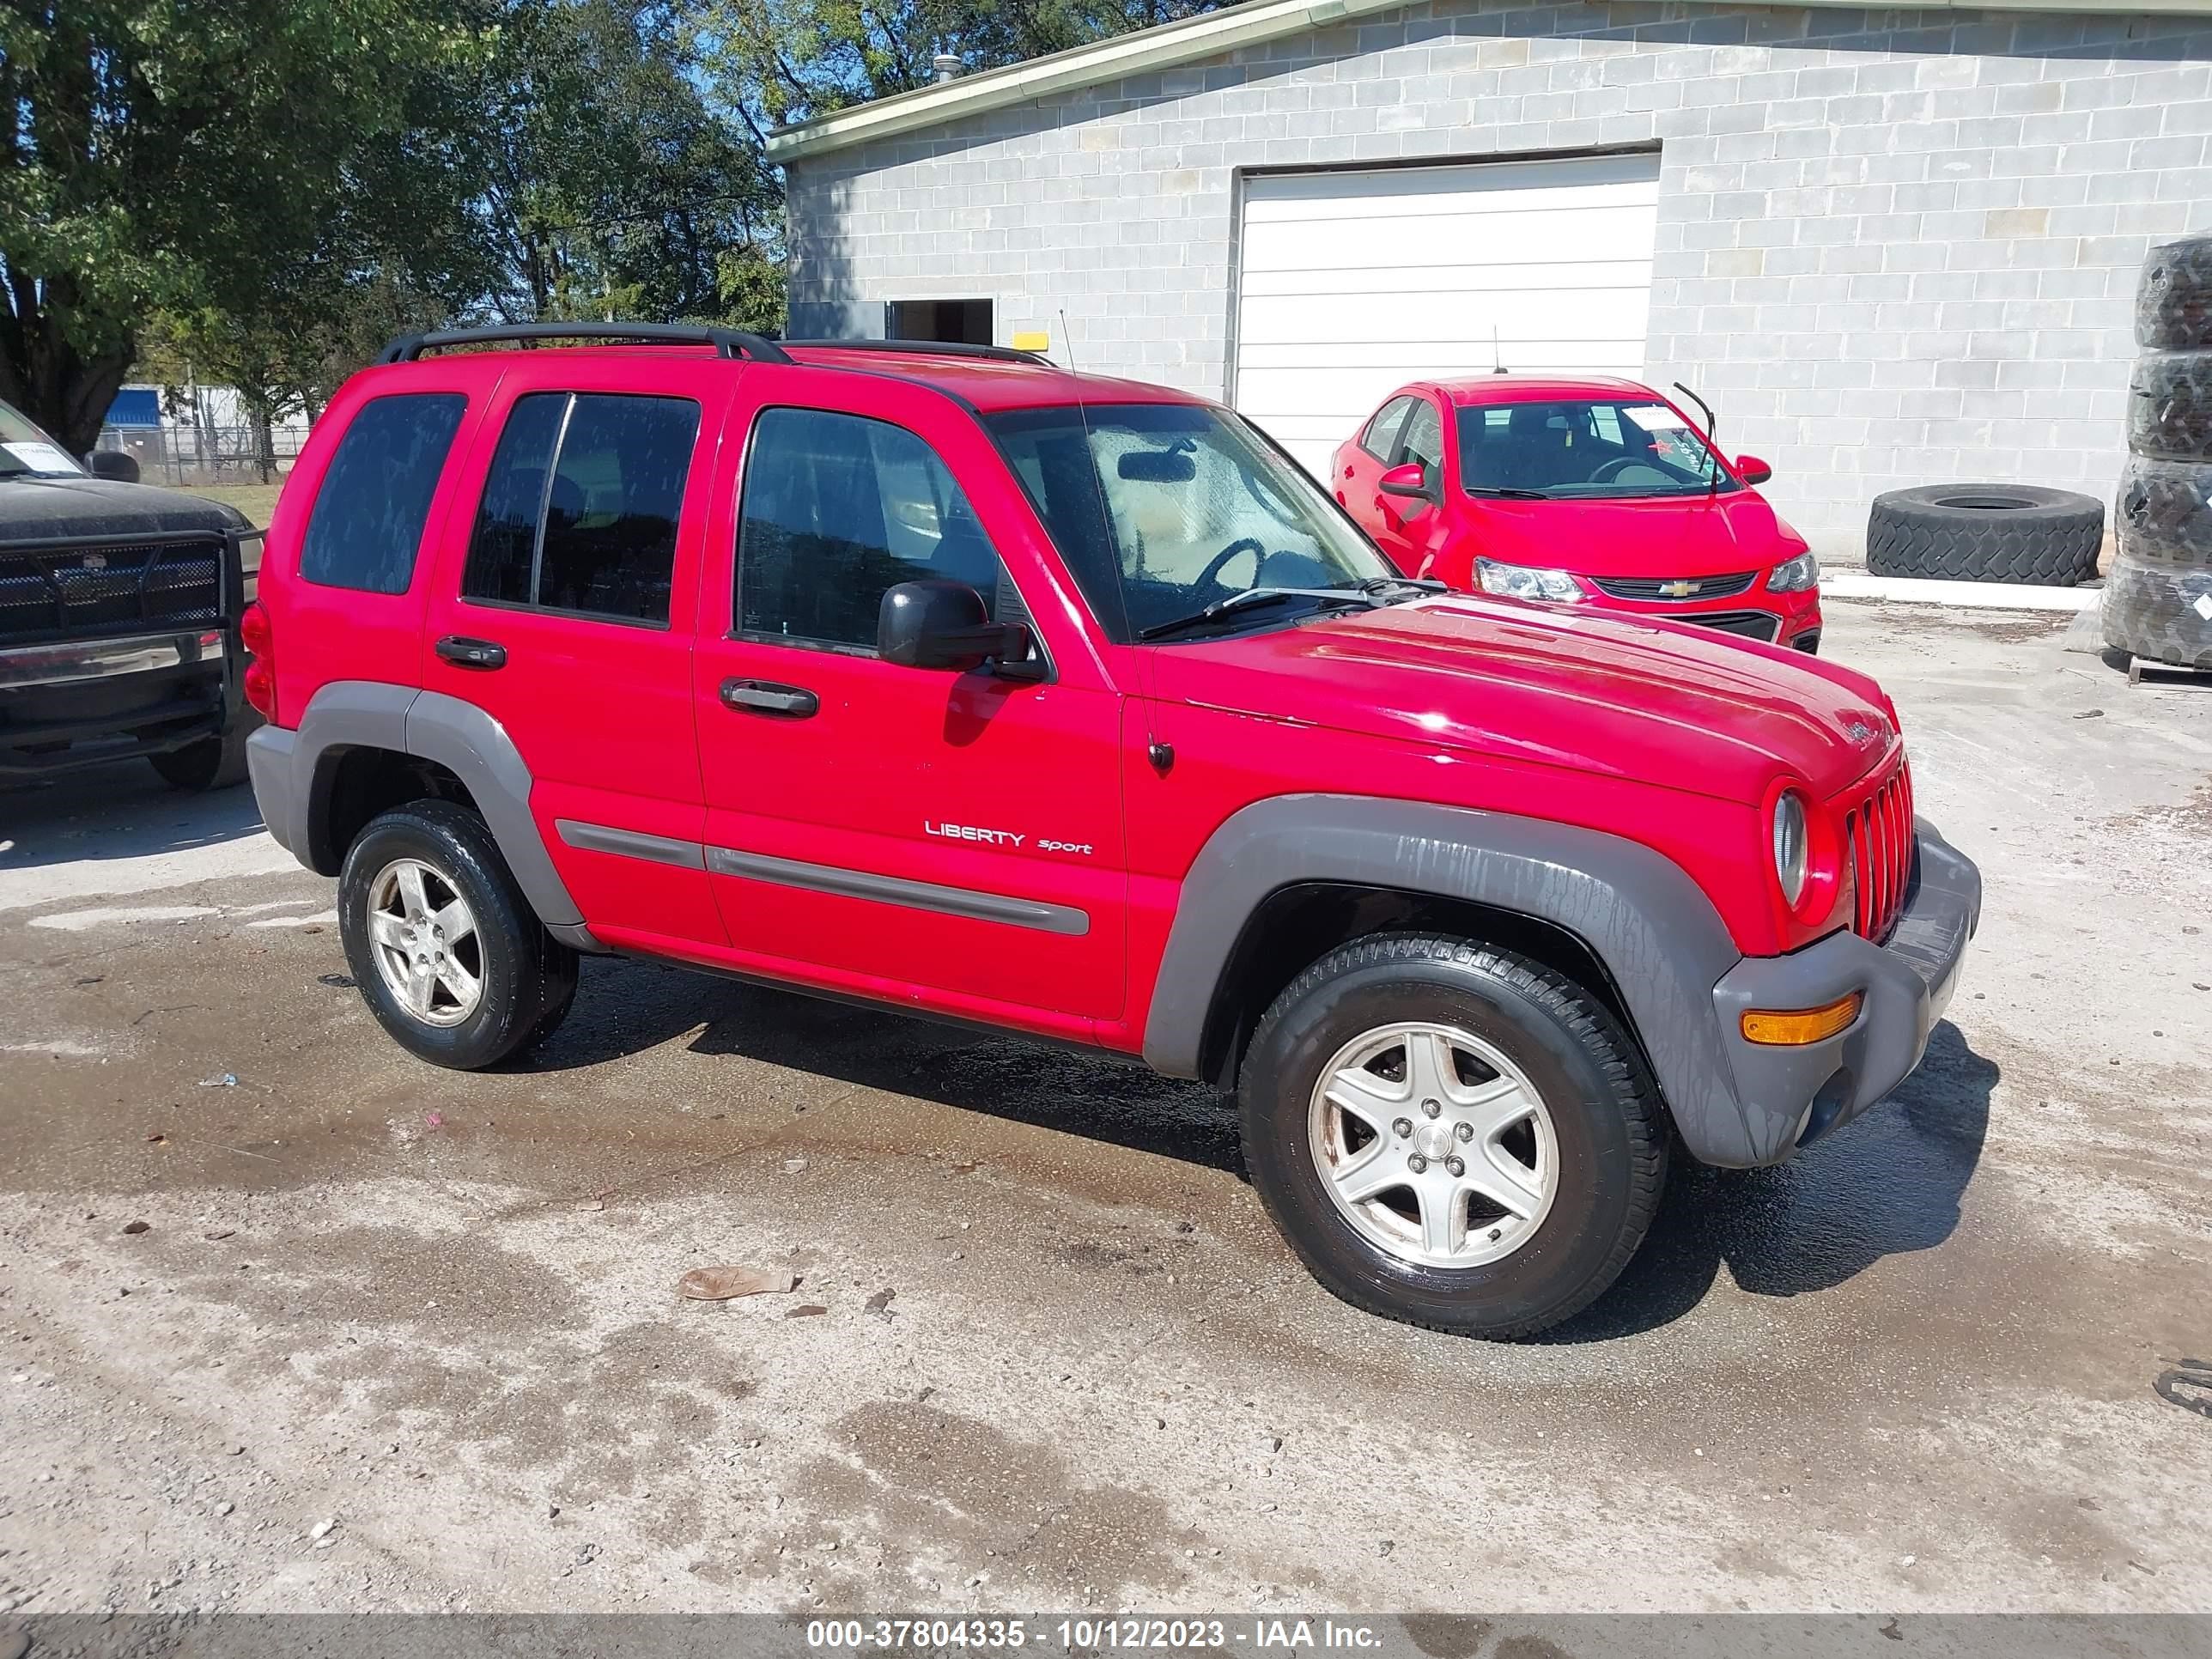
{"type": "Point", "coordinates": [288, 1321]}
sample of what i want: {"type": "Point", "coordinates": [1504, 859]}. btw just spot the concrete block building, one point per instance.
{"type": "Point", "coordinates": [1890, 248]}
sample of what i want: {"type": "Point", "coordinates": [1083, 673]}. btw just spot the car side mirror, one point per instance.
{"type": "Point", "coordinates": [113, 463]}
{"type": "Point", "coordinates": [1410, 480]}
{"type": "Point", "coordinates": [944, 624]}
{"type": "Point", "coordinates": [1753, 470]}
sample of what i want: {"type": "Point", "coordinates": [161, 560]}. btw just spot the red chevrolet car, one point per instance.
{"type": "Point", "coordinates": [1586, 490]}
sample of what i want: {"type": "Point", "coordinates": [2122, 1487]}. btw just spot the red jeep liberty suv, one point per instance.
{"type": "Point", "coordinates": [948, 679]}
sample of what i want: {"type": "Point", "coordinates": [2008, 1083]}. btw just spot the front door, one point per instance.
{"type": "Point", "coordinates": [565, 611]}
{"type": "Point", "coordinates": [950, 841]}
{"type": "Point", "coordinates": [1412, 531]}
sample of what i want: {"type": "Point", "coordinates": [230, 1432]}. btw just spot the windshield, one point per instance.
{"type": "Point", "coordinates": [1584, 449]}
{"type": "Point", "coordinates": [26, 451]}
{"type": "Point", "coordinates": [1164, 509]}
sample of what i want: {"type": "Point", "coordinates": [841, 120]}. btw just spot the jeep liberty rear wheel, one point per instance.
{"type": "Point", "coordinates": [1452, 1135]}
{"type": "Point", "coordinates": [441, 942]}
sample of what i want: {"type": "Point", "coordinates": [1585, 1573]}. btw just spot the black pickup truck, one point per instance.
{"type": "Point", "coordinates": [119, 605]}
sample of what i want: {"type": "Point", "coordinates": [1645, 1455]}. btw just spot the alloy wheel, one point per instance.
{"type": "Point", "coordinates": [1433, 1145]}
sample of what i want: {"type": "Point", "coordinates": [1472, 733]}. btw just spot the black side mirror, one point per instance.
{"type": "Point", "coordinates": [113, 463]}
{"type": "Point", "coordinates": [944, 624]}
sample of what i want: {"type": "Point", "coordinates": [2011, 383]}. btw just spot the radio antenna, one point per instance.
{"type": "Point", "coordinates": [1069, 339]}
{"type": "Point", "coordinates": [1497, 360]}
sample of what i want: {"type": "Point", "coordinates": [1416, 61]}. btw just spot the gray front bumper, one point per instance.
{"type": "Point", "coordinates": [1790, 1095]}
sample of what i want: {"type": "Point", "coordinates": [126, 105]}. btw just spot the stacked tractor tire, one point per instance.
{"type": "Point", "coordinates": [2158, 600]}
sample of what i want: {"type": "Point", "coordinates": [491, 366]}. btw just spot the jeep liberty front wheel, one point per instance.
{"type": "Point", "coordinates": [1452, 1135]}
{"type": "Point", "coordinates": [444, 946]}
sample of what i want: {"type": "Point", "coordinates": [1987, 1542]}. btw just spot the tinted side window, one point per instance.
{"type": "Point", "coordinates": [503, 548]}
{"type": "Point", "coordinates": [1377, 439]}
{"type": "Point", "coordinates": [368, 516]}
{"type": "Point", "coordinates": [580, 506]}
{"type": "Point", "coordinates": [836, 509]}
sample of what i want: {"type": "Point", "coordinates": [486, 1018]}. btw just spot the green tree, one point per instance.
{"type": "Point", "coordinates": [612, 189]}
{"type": "Point", "coordinates": [784, 60]}
{"type": "Point", "coordinates": [189, 159]}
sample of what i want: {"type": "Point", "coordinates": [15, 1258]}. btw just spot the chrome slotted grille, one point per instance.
{"type": "Point", "coordinates": [1878, 849]}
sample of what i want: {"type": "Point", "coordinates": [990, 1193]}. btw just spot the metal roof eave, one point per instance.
{"type": "Point", "coordinates": [1209, 35]}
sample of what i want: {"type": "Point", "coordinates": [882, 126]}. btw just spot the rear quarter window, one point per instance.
{"type": "Point", "coordinates": [367, 525]}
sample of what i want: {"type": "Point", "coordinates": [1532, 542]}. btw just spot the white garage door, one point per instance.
{"type": "Point", "coordinates": [1355, 282]}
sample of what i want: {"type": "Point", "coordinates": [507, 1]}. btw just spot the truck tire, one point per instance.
{"type": "Point", "coordinates": [1985, 534]}
{"type": "Point", "coordinates": [211, 763]}
{"type": "Point", "coordinates": [2170, 406]}
{"type": "Point", "coordinates": [2173, 297]}
{"type": "Point", "coordinates": [448, 953]}
{"type": "Point", "coordinates": [2163, 512]}
{"type": "Point", "coordinates": [2152, 610]}
{"type": "Point", "coordinates": [1452, 1135]}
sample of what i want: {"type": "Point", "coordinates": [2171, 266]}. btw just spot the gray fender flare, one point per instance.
{"type": "Point", "coordinates": [1638, 911]}
{"type": "Point", "coordinates": [292, 773]}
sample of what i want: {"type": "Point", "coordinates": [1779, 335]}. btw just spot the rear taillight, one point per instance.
{"type": "Point", "coordinates": [256, 635]}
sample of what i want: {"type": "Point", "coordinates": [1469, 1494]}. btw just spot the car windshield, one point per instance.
{"type": "Point", "coordinates": [1163, 510]}
{"type": "Point", "coordinates": [1584, 449]}
{"type": "Point", "coordinates": [27, 453]}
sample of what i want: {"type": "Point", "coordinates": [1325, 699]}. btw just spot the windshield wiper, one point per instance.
{"type": "Point", "coordinates": [1509, 492]}
{"type": "Point", "coordinates": [1401, 588]}
{"type": "Point", "coordinates": [1252, 596]}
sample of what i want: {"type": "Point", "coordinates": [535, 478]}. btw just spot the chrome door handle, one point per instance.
{"type": "Point", "coordinates": [767, 697]}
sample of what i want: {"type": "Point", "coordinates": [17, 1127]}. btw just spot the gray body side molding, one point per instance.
{"type": "Point", "coordinates": [288, 767]}
{"type": "Point", "coordinates": [1639, 913]}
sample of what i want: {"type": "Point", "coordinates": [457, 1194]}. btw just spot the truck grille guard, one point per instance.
{"type": "Point", "coordinates": [91, 587]}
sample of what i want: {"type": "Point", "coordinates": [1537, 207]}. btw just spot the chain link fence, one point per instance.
{"type": "Point", "coordinates": [178, 455]}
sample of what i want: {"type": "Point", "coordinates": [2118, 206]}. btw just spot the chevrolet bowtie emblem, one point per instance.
{"type": "Point", "coordinates": [1680, 590]}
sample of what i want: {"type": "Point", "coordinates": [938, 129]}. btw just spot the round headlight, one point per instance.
{"type": "Point", "coordinates": [1789, 844]}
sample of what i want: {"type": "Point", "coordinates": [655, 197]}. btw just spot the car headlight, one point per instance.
{"type": "Point", "coordinates": [1526, 581]}
{"type": "Point", "coordinates": [1794, 575]}
{"type": "Point", "coordinates": [1790, 845]}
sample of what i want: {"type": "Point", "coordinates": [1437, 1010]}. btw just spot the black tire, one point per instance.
{"type": "Point", "coordinates": [2173, 297]}
{"type": "Point", "coordinates": [2170, 406]}
{"type": "Point", "coordinates": [1611, 1131]}
{"type": "Point", "coordinates": [527, 976]}
{"type": "Point", "coordinates": [2163, 512]}
{"type": "Point", "coordinates": [212, 763]}
{"type": "Point", "coordinates": [1985, 534]}
{"type": "Point", "coordinates": [2151, 611]}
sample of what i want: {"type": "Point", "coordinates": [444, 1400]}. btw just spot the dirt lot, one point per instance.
{"type": "Point", "coordinates": [391, 1338]}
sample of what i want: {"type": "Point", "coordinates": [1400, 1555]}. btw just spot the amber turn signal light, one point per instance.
{"type": "Point", "coordinates": [1801, 1025]}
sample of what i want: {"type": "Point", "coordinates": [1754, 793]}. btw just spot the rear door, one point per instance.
{"type": "Point", "coordinates": [565, 607]}
{"type": "Point", "coordinates": [354, 516]}
{"type": "Point", "coordinates": [1360, 462]}
{"type": "Point", "coordinates": [950, 839]}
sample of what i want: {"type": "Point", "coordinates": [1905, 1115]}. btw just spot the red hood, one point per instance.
{"type": "Point", "coordinates": [1600, 692]}
{"type": "Point", "coordinates": [1669, 536]}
